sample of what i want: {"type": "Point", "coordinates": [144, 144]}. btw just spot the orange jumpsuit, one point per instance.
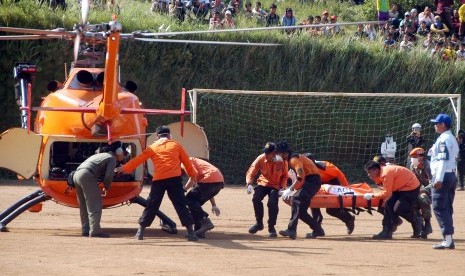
{"type": "Point", "coordinates": [331, 172]}
{"type": "Point", "coordinates": [167, 156]}
{"type": "Point", "coordinates": [272, 174]}
{"type": "Point", "coordinates": [396, 178]}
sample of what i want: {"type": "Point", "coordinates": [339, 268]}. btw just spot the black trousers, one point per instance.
{"type": "Point", "coordinates": [197, 197]}
{"type": "Point", "coordinates": [301, 202]}
{"type": "Point", "coordinates": [339, 213]}
{"type": "Point", "coordinates": [175, 191]}
{"type": "Point", "coordinates": [401, 203]}
{"type": "Point", "coordinates": [273, 209]}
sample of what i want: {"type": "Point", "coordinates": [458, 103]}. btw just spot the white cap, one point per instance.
{"type": "Point", "coordinates": [416, 125]}
{"type": "Point", "coordinates": [228, 12]}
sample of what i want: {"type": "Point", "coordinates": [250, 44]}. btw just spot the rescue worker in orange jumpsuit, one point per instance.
{"type": "Point", "coordinates": [209, 181]}
{"type": "Point", "coordinates": [400, 192]}
{"type": "Point", "coordinates": [306, 185]}
{"type": "Point", "coordinates": [272, 179]}
{"type": "Point", "coordinates": [166, 155]}
{"type": "Point", "coordinates": [330, 174]}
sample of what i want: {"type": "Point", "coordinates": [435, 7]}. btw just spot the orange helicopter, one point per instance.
{"type": "Point", "coordinates": [89, 110]}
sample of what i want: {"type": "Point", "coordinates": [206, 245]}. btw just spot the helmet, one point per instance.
{"type": "Point", "coordinates": [416, 126]}
{"type": "Point", "coordinates": [417, 152]}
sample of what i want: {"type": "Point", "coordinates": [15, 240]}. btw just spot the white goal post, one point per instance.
{"type": "Point", "coordinates": [346, 129]}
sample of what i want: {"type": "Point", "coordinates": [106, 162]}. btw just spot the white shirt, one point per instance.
{"type": "Point", "coordinates": [443, 154]}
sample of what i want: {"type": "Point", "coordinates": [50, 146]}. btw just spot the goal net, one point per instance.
{"type": "Point", "coordinates": [346, 129]}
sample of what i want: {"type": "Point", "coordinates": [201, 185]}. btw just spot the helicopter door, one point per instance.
{"type": "Point", "coordinates": [20, 151]}
{"type": "Point", "coordinates": [194, 141]}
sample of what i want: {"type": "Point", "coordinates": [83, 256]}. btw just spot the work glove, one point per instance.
{"type": "Point", "coordinates": [368, 196]}
{"type": "Point", "coordinates": [280, 192]}
{"type": "Point", "coordinates": [287, 195]}
{"type": "Point", "coordinates": [216, 210]}
{"type": "Point", "coordinates": [249, 189]}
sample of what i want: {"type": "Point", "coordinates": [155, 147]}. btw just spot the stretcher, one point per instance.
{"type": "Point", "coordinates": [355, 197]}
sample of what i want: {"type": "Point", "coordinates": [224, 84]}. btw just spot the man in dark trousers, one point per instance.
{"type": "Point", "coordinates": [306, 185]}
{"type": "Point", "coordinates": [86, 179]}
{"type": "Point", "coordinates": [443, 161]}
{"type": "Point", "coordinates": [209, 181]}
{"type": "Point", "coordinates": [167, 156]}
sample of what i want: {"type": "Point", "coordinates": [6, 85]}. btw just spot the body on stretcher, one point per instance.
{"type": "Point", "coordinates": [352, 196]}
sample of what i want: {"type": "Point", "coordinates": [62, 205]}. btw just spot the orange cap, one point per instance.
{"type": "Point", "coordinates": [416, 152]}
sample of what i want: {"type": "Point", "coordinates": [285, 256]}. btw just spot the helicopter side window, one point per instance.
{"type": "Point", "coordinates": [85, 80]}
{"type": "Point", "coordinates": [67, 156]}
{"type": "Point", "coordinates": [58, 159]}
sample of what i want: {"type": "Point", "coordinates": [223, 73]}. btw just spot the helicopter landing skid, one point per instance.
{"type": "Point", "coordinates": [167, 224]}
{"type": "Point", "coordinates": [19, 207]}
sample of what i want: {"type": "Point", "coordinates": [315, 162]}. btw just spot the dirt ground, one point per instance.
{"type": "Point", "coordinates": [49, 243]}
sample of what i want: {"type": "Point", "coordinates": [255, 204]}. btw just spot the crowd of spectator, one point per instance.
{"type": "Point", "coordinates": [440, 32]}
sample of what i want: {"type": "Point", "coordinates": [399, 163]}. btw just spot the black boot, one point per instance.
{"type": "Point", "coordinates": [191, 236]}
{"type": "Point", "coordinates": [386, 234]}
{"type": "Point", "coordinates": [427, 229]}
{"type": "Point", "coordinates": [140, 233]}
{"type": "Point", "coordinates": [417, 225]}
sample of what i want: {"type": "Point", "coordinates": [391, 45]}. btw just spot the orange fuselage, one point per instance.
{"type": "Point", "coordinates": [65, 125]}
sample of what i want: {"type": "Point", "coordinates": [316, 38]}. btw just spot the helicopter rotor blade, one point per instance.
{"type": "Point", "coordinates": [77, 42]}
{"type": "Point", "coordinates": [84, 11]}
{"type": "Point", "coordinates": [29, 37]}
{"type": "Point", "coordinates": [58, 32]}
{"type": "Point", "coordinates": [206, 42]}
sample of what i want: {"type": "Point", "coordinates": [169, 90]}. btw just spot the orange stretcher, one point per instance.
{"type": "Point", "coordinates": [351, 196]}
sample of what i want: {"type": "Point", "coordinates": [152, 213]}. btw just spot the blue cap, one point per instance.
{"type": "Point", "coordinates": [442, 118]}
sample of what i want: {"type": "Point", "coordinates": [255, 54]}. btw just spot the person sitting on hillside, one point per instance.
{"type": "Point", "coordinates": [437, 51]}
{"type": "Point", "coordinates": [389, 43]}
{"type": "Point", "coordinates": [258, 12]}
{"type": "Point", "coordinates": [405, 44]}
{"type": "Point", "coordinates": [423, 30]}
{"type": "Point", "coordinates": [215, 21]}
{"type": "Point", "coordinates": [272, 19]}
{"type": "Point", "coordinates": [414, 18]}
{"type": "Point", "coordinates": [449, 52]}
{"type": "Point", "coordinates": [248, 10]}
{"type": "Point", "coordinates": [325, 17]}
{"type": "Point", "coordinates": [461, 52]}
{"type": "Point", "coordinates": [455, 22]}
{"type": "Point", "coordinates": [429, 42]}
{"type": "Point", "coordinates": [199, 8]}
{"type": "Point", "coordinates": [406, 25]}
{"type": "Point", "coordinates": [438, 27]}
{"type": "Point", "coordinates": [228, 21]}
{"type": "Point", "coordinates": [333, 30]}
{"type": "Point", "coordinates": [426, 16]}
{"type": "Point", "coordinates": [394, 15]}
{"type": "Point", "coordinates": [371, 32]}
{"type": "Point", "coordinates": [308, 21]}
{"type": "Point", "coordinates": [217, 6]}
{"type": "Point", "coordinates": [289, 20]}
{"type": "Point", "coordinates": [177, 10]}
{"type": "Point", "coordinates": [360, 33]}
